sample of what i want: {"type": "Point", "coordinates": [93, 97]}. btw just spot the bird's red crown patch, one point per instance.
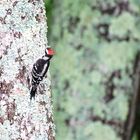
{"type": "Point", "coordinates": [50, 51]}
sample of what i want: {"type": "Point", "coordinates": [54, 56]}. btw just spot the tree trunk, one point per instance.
{"type": "Point", "coordinates": [97, 42]}
{"type": "Point", "coordinates": [22, 41]}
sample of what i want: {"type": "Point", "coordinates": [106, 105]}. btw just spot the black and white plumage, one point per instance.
{"type": "Point", "coordinates": [39, 70]}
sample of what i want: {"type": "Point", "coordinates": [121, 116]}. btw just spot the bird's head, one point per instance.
{"type": "Point", "coordinates": [49, 52]}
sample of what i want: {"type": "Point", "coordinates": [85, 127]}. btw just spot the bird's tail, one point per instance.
{"type": "Point", "coordinates": [33, 92]}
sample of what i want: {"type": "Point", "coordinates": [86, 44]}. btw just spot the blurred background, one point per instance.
{"type": "Point", "coordinates": [95, 69]}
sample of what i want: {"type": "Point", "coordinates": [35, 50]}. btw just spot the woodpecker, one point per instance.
{"type": "Point", "coordinates": [39, 70]}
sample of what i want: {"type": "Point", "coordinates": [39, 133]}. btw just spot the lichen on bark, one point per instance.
{"type": "Point", "coordinates": [22, 41]}
{"type": "Point", "coordinates": [95, 74]}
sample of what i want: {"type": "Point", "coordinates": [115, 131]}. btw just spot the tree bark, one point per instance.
{"type": "Point", "coordinates": [97, 81]}
{"type": "Point", "coordinates": [22, 41]}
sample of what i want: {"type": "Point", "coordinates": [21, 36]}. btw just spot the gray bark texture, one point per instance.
{"type": "Point", "coordinates": [22, 41]}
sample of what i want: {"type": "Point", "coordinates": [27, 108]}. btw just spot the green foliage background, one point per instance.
{"type": "Point", "coordinates": [96, 42]}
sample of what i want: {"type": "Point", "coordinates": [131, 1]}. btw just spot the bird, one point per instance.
{"type": "Point", "coordinates": [39, 70]}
